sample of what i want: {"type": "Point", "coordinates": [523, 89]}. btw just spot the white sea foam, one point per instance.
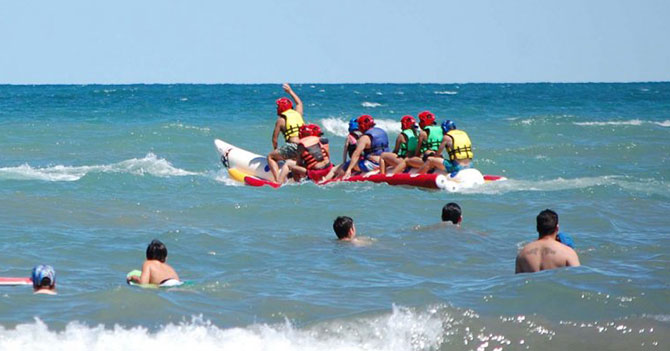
{"type": "Point", "coordinates": [149, 164]}
{"type": "Point", "coordinates": [445, 92]}
{"type": "Point", "coordinates": [402, 329]}
{"type": "Point", "coordinates": [370, 104]}
{"type": "Point", "coordinates": [185, 126]}
{"type": "Point", "coordinates": [558, 184]}
{"type": "Point", "coordinates": [340, 127]}
{"type": "Point", "coordinates": [631, 122]}
{"type": "Point", "coordinates": [221, 176]}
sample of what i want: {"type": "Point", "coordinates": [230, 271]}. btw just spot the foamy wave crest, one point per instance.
{"type": "Point", "coordinates": [184, 126]}
{"type": "Point", "coordinates": [445, 92]}
{"type": "Point", "coordinates": [370, 104]}
{"type": "Point", "coordinates": [340, 128]}
{"type": "Point", "coordinates": [634, 185]}
{"type": "Point", "coordinates": [149, 164]}
{"type": "Point", "coordinates": [631, 122]}
{"type": "Point", "coordinates": [403, 330]}
{"type": "Point", "coordinates": [221, 176]}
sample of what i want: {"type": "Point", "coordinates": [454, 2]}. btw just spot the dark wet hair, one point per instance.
{"type": "Point", "coordinates": [547, 221]}
{"type": "Point", "coordinates": [156, 251]}
{"type": "Point", "coordinates": [45, 283]}
{"type": "Point", "coordinates": [451, 212]}
{"type": "Point", "coordinates": [342, 225]}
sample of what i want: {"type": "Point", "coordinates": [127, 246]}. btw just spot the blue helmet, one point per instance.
{"type": "Point", "coordinates": [353, 124]}
{"type": "Point", "coordinates": [448, 125]}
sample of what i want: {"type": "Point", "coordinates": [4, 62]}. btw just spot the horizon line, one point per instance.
{"type": "Point", "coordinates": [342, 83]}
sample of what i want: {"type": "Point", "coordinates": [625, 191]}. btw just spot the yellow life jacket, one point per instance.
{"type": "Point", "coordinates": [293, 123]}
{"type": "Point", "coordinates": [461, 147]}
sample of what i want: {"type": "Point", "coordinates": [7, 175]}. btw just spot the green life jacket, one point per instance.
{"type": "Point", "coordinates": [408, 147]}
{"type": "Point", "coordinates": [434, 138]}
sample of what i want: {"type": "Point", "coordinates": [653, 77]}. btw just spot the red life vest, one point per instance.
{"type": "Point", "coordinates": [313, 151]}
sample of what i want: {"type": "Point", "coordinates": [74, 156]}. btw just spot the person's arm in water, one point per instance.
{"type": "Point", "coordinates": [361, 144]}
{"type": "Point", "coordinates": [572, 260]}
{"type": "Point", "coordinates": [294, 96]}
{"type": "Point", "coordinates": [517, 264]}
{"type": "Point", "coordinates": [145, 277]}
{"type": "Point", "coordinates": [275, 134]}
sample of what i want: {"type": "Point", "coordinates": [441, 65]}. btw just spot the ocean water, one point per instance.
{"type": "Point", "coordinates": [90, 174]}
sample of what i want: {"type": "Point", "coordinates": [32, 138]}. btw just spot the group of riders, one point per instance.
{"type": "Point", "coordinates": [307, 154]}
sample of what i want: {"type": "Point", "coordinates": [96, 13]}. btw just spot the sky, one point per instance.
{"type": "Point", "coordinates": [324, 41]}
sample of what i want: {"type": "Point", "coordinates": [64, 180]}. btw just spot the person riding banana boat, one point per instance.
{"type": "Point", "coordinates": [288, 122]}
{"type": "Point", "coordinates": [313, 158]}
{"type": "Point", "coordinates": [405, 145]}
{"type": "Point", "coordinates": [352, 138]}
{"type": "Point", "coordinates": [429, 140]}
{"type": "Point", "coordinates": [459, 151]}
{"type": "Point", "coordinates": [369, 147]}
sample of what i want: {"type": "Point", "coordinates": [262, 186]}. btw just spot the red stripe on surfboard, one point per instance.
{"type": "Point", "coordinates": [15, 281]}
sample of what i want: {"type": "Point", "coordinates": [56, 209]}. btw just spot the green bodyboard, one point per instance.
{"type": "Point", "coordinates": [138, 273]}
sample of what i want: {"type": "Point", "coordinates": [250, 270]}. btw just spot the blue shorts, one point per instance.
{"type": "Point", "coordinates": [364, 165]}
{"type": "Point", "coordinates": [454, 167]}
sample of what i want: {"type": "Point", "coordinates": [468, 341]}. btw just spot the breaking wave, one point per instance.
{"type": "Point", "coordinates": [148, 165]}
{"type": "Point", "coordinates": [403, 329]}
{"type": "Point", "coordinates": [340, 127]}
{"type": "Point", "coordinates": [370, 104]}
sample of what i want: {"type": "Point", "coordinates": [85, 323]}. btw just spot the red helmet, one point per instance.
{"type": "Point", "coordinates": [426, 118]}
{"type": "Point", "coordinates": [365, 122]}
{"type": "Point", "coordinates": [310, 130]}
{"type": "Point", "coordinates": [283, 104]}
{"type": "Point", "coordinates": [407, 122]}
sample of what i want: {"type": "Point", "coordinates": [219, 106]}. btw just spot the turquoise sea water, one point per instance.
{"type": "Point", "coordinates": [90, 174]}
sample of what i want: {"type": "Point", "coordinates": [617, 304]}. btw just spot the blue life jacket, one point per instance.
{"type": "Point", "coordinates": [379, 141]}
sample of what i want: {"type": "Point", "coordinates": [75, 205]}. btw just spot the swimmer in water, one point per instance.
{"type": "Point", "coordinates": [154, 269]}
{"type": "Point", "coordinates": [44, 280]}
{"type": "Point", "coordinates": [451, 212]}
{"type": "Point", "coordinates": [546, 252]}
{"type": "Point", "coordinates": [344, 228]}
{"type": "Point", "coordinates": [346, 231]}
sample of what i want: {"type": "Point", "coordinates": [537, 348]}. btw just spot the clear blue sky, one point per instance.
{"type": "Point", "coordinates": [444, 41]}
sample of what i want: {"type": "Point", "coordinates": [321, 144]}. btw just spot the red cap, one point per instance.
{"type": "Point", "coordinates": [407, 122]}
{"type": "Point", "coordinates": [365, 122]}
{"type": "Point", "coordinates": [283, 104]}
{"type": "Point", "coordinates": [426, 118]}
{"type": "Point", "coordinates": [310, 130]}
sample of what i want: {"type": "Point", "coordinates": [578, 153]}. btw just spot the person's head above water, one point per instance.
{"type": "Point", "coordinates": [156, 251]}
{"type": "Point", "coordinates": [451, 212]}
{"type": "Point", "coordinates": [44, 277]}
{"type": "Point", "coordinates": [344, 228]}
{"type": "Point", "coordinates": [547, 223]}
